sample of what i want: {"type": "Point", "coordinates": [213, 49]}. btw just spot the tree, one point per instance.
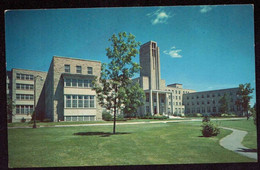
{"type": "Point", "coordinates": [112, 88]}
{"type": "Point", "coordinates": [243, 99]}
{"type": "Point", "coordinates": [253, 111]}
{"type": "Point", "coordinates": [135, 98]}
{"type": "Point", "coordinates": [224, 104]}
{"type": "Point", "coordinates": [10, 107]}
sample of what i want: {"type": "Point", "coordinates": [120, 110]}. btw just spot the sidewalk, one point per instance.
{"type": "Point", "coordinates": [233, 142]}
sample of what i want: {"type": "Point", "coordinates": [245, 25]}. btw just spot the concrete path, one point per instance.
{"type": "Point", "coordinates": [233, 142]}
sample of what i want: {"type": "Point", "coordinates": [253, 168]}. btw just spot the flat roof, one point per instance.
{"type": "Point", "coordinates": [28, 70]}
{"type": "Point", "coordinates": [214, 90]}
{"type": "Point", "coordinates": [76, 58]}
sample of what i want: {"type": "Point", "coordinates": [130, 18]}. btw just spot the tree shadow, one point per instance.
{"type": "Point", "coordinates": [246, 150]}
{"type": "Point", "coordinates": [101, 134]}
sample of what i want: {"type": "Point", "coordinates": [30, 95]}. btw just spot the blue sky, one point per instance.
{"type": "Point", "coordinates": [201, 47]}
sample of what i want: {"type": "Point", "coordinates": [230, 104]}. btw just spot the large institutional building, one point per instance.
{"type": "Point", "coordinates": [64, 93]}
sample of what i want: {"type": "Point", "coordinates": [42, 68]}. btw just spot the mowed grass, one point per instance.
{"type": "Point", "coordinates": [250, 140]}
{"type": "Point", "coordinates": [147, 144]}
{"type": "Point", "coordinates": [27, 124]}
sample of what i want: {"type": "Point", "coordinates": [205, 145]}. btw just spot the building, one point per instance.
{"type": "Point", "coordinates": [173, 99]}
{"type": "Point", "coordinates": [25, 89]}
{"type": "Point", "coordinates": [207, 102]}
{"type": "Point", "coordinates": [68, 93]}
{"type": "Point", "coordinates": [159, 98]}
{"type": "Point", "coordinates": [64, 92]}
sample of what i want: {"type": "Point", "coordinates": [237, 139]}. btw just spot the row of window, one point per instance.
{"type": "Point", "coordinates": [24, 96]}
{"type": "Point", "coordinates": [78, 69]}
{"type": "Point", "coordinates": [80, 101]}
{"type": "Point", "coordinates": [208, 102]}
{"type": "Point", "coordinates": [80, 118]}
{"type": "Point", "coordinates": [24, 86]}
{"type": "Point", "coordinates": [24, 76]}
{"type": "Point", "coordinates": [208, 95]}
{"type": "Point", "coordinates": [209, 109]}
{"type": "Point", "coordinates": [78, 83]}
{"type": "Point", "coordinates": [179, 110]}
{"type": "Point", "coordinates": [24, 109]}
{"type": "Point", "coordinates": [176, 97]}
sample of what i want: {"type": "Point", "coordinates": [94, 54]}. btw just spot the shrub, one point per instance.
{"type": "Point", "coordinates": [32, 121]}
{"type": "Point", "coordinates": [206, 119]}
{"type": "Point", "coordinates": [106, 116]}
{"type": "Point", "coordinates": [23, 120]}
{"type": "Point", "coordinates": [198, 115]}
{"type": "Point", "coordinates": [209, 129]}
{"type": "Point", "coordinates": [47, 120]}
{"type": "Point", "coordinates": [224, 115]}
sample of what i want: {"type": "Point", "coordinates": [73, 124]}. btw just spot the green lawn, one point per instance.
{"type": "Point", "coordinates": [26, 124]}
{"type": "Point", "coordinates": [162, 143]}
{"type": "Point", "coordinates": [250, 139]}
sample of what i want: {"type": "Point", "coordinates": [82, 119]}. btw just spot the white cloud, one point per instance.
{"type": "Point", "coordinates": [159, 17]}
{"type": "Point", "coordinates": [173, 52]}
{"type": "Point", "coordinates": [205, 9]}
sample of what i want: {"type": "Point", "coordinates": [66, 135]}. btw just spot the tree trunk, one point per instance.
{"type": "Point", "coordinates": [114, 127]}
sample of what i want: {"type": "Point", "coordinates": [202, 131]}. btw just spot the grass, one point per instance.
{"type": "Point", "coordinates": [26, 124]}
{"type": "Point", "coordinates": [250, 140]}
{"type": "Point", "coordinates": [143, 144]}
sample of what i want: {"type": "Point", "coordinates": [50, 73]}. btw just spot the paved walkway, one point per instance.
{"type": "Point", "coordinates": [233, 142]}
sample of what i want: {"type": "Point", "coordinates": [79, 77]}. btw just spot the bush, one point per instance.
{"type": "Point", "coordinates": [106, 116]}
{"type": "Point", "coordinates": [31, 121]}
{"type": "Point", "coordinates": [209, 129]}
{"type": "Point", "coordinates": [198, 115]}
{"type": "Point", "coordinates": [46, 120]}
{"type": "Point", "coordinates": [23, 120]}
{"type": "Point", "coordinates": [206, 119]}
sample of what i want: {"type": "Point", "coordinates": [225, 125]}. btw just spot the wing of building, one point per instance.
{"type": "Point", "coordinates": [64, 92]}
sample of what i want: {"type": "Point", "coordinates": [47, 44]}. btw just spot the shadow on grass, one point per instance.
{"type": "Point", "coordinates": [246, 150]}
{"type": "Point", "coordinates": [101, 134]}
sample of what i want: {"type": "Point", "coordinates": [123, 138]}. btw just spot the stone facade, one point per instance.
{"type": "Point", "coordinates": [56, 91]}
{"type": "Point", "coordinates": [207, 102]}
{"type": "Point", "coordinates": [26, 92]}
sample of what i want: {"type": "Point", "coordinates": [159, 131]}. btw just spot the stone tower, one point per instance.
{"type": "Point", "coordinates": [150, 63]}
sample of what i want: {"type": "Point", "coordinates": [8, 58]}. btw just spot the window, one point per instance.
{"type": "Point", "coordinates": [179, 92]}
{"type": "Point", "coordinates": [18, 76]}
{"type": "Point", "coordinates": [213, 95]}
{"type": "Point", "coordinates": [208, 109]}
{"type": "Point", "coordinates": [147, 97]}
{"type": "Point", "coordinates": [92, 101]}
{"type": "Point", "coordinates": [78, 69]}
{"type": "Point", "coordinates": [202, 96]}
{"type": "Point", "coordinates": [67, 68]}
{"type": "Point", "coordinates": [188, 103]}
{"type": "Point", "coordinates": [192, 97]}
{"type": "Point", "coordinates": [198, 110]}
{"type": "Point", "coordinates": [197, 97]}
{"type": "Point", "coordinates": [198, 103]}
{"type": "Point", "coordinates": [74, 101]}
{"type": "Point", "coordinates": [187, 98]}
{"type": "Point", "coordinates": [68, 82]}
{"type": "Point", "coordinates": [80, 83]}
{"type": "Point", "coordinates": [179, 97]}
{"type": "Point", "coordinates": [74, 82]}
{"type": "Point", "coordinates": [90, 70]}
{"type": "Point", "coordinates": [147, 109]}
{"type": "Point", "coordinates": [219, 95]}
{"type": "Point", "coordinates": [203, 109]}
{"type": "Point", "coordinates": [24, 86]}
{"type": "Point", "coordinates": [80, 101]}
{"type": "Point", "coordinates": [86, 101]}
{"type": "Point", "coordinates": [176, 97]}
{"type": "Point", "coordinates": [86, 83]}
{"type": "Point", "coordinates": [207, 95]}
{"type": "Point", "coordinates": [176, 103]}
{"type": "Point", "coordinates": [202, 102]}
{"type": "Point", "coordinates": [68, 101]}
{"type": "Point", "coordinates": [179, 103]}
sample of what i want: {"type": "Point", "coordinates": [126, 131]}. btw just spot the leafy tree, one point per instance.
{"type": "Point", "coordinates": [10, 107]}
{"type": "Point", "coordinates": [224, 104]}
{"type": "Point", "coordinates": [112, 88]}
{"type": "Point", "coordinates": [244, 97]}
{"type": "Point", "coordinates": [135, 98]}
{"type": "Point", "coordinates": [253, 111]}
